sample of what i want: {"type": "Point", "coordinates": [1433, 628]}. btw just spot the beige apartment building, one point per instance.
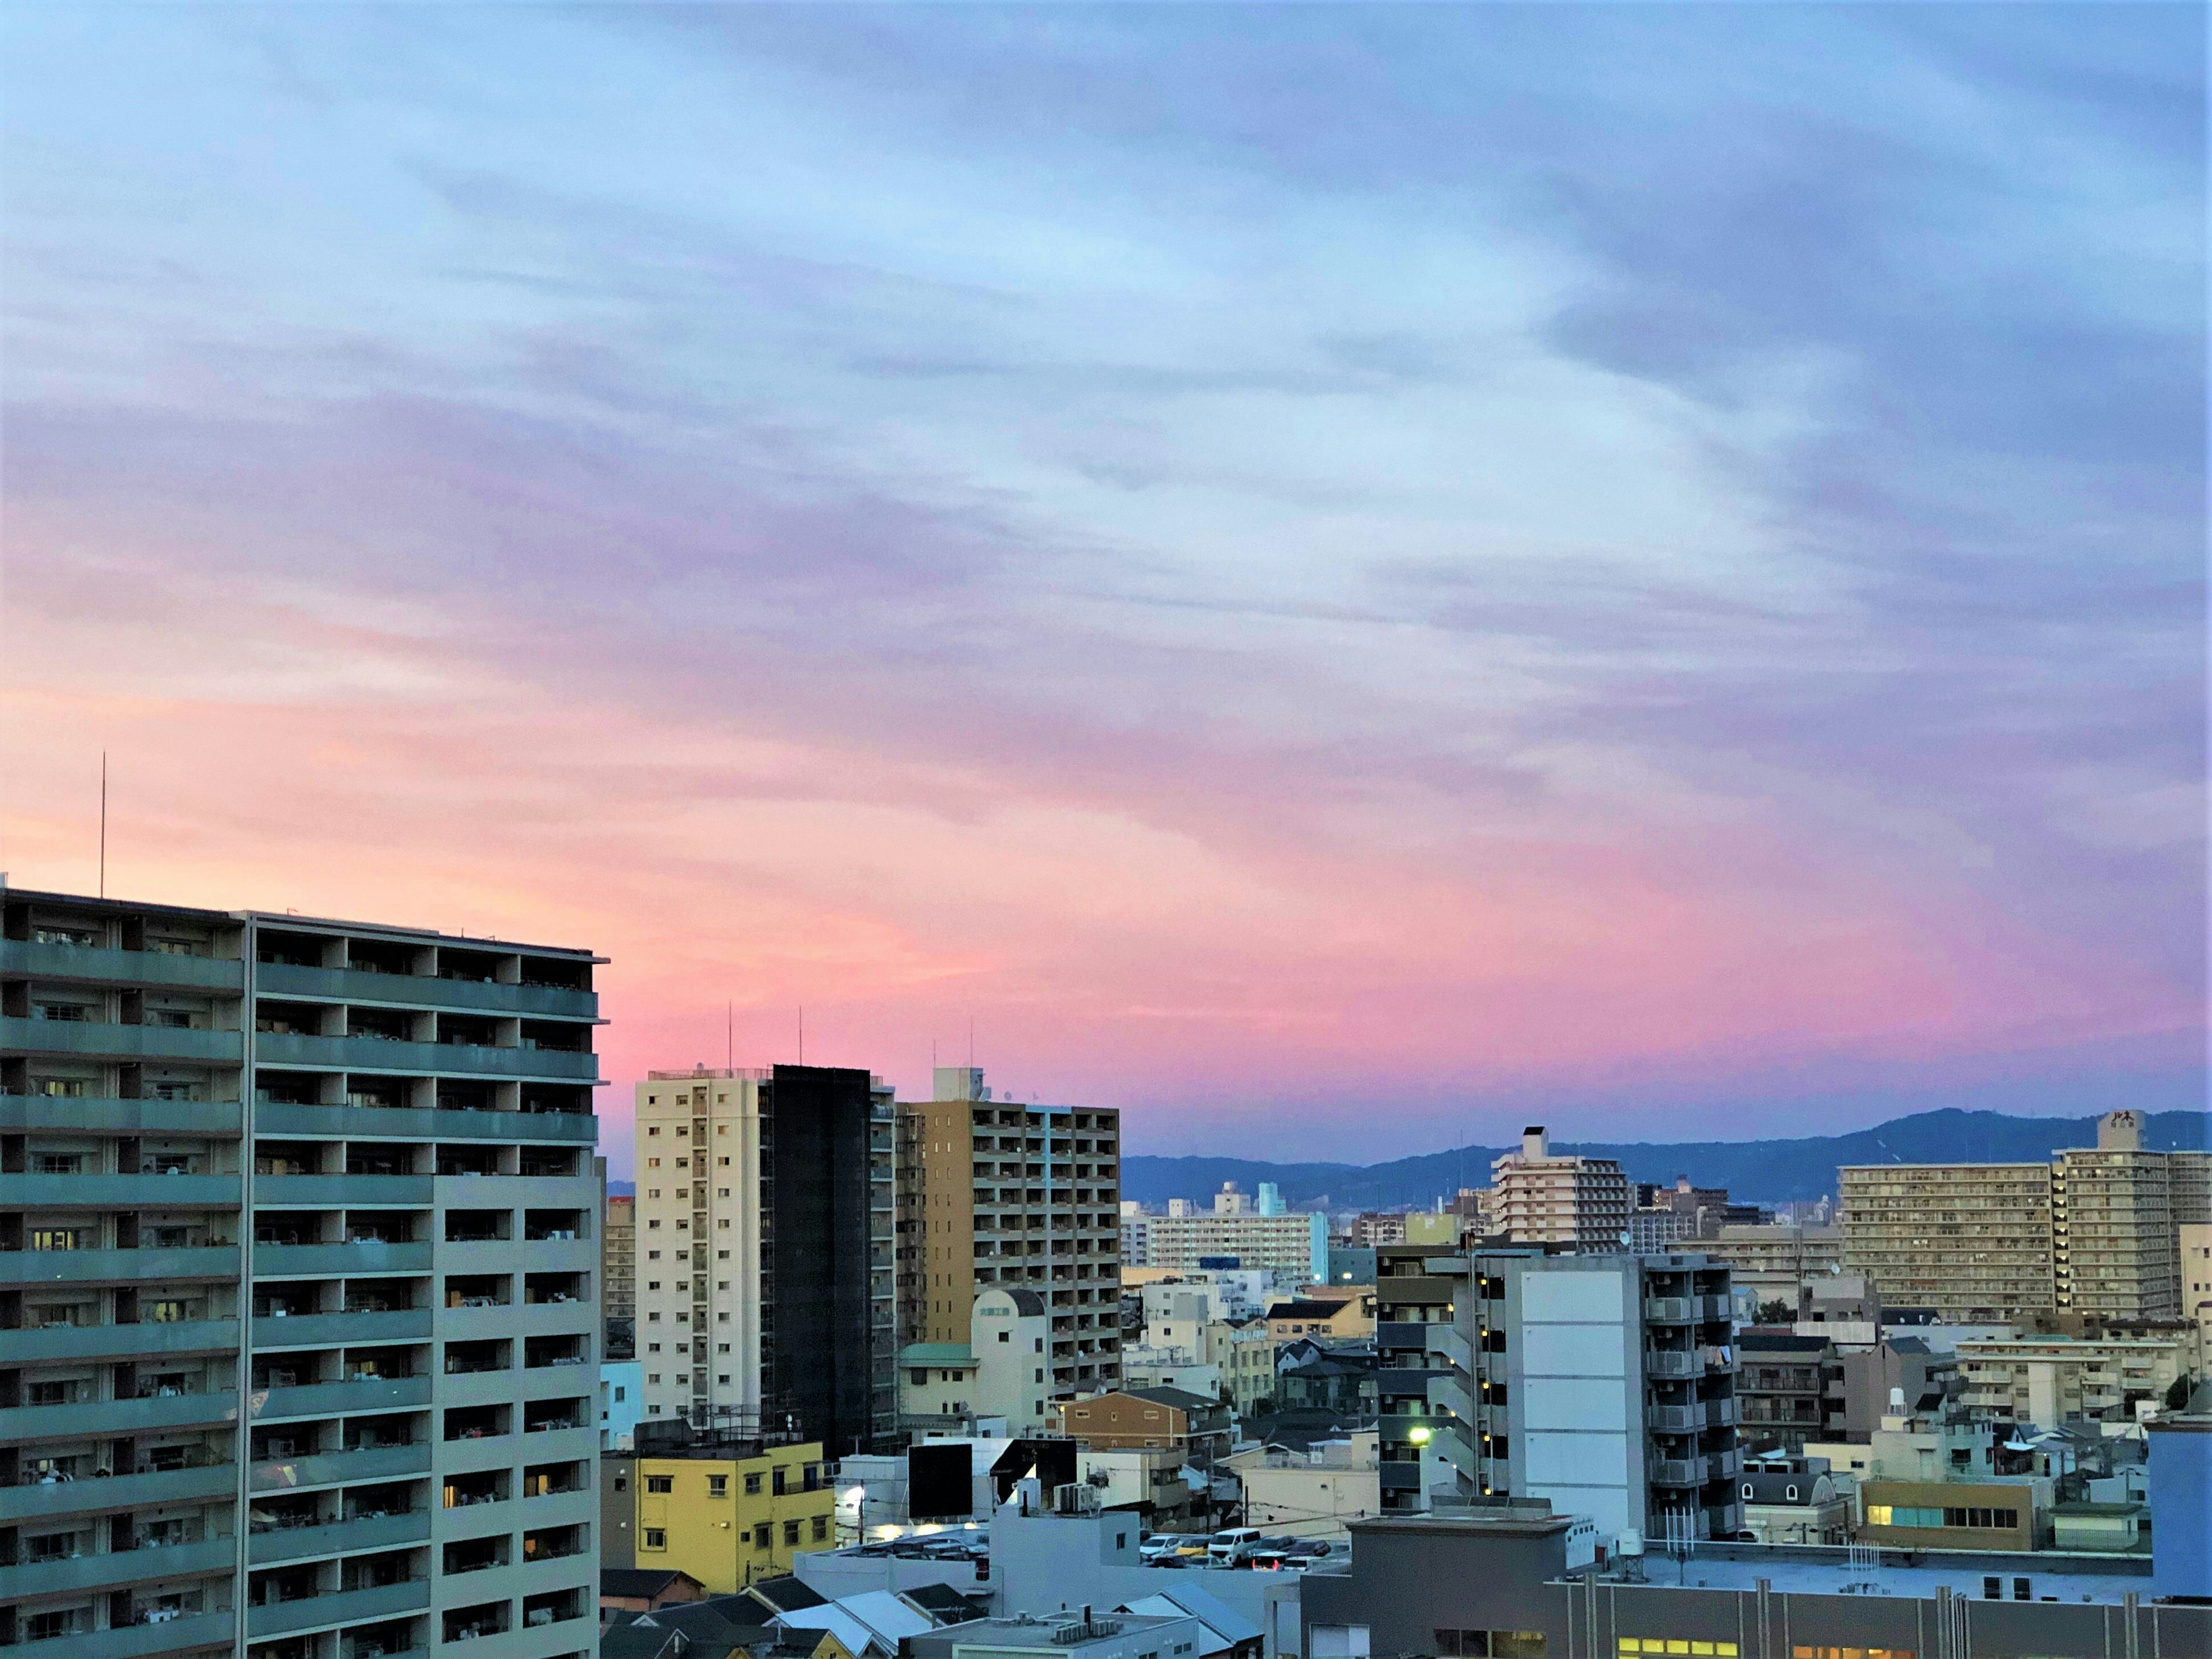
{"type": "Point", "coordinates": [1778, 1262]}
{"type": "Point", "coordinates": [2046, 1379]}
{"type": "Point", "coordinates": [1002, 1192]}
{"type": "Point", "coordinates": [1286, 1246]}
{"type": "Point", "coordinates": [1537, 1198]}
{"type": "Point", "coordinates": [2112, 1221]}
{"type": "Point", "coordinates": [618, 1257]}
{"type": "Point", "coordinates": [2092, 1232]}
{"type": "Point", "coordinates": [1971, 1241]}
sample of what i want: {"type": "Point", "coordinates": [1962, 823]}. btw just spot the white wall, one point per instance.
{"type": "Point", "coordinates": [1582, 1434]}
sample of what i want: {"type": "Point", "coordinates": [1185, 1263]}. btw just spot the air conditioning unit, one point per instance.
{"type": "Point", "coordinates": [1074, 1500]}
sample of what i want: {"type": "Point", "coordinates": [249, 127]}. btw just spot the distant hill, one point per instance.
{"type": "Point", "coordinates": [1754, 1172]}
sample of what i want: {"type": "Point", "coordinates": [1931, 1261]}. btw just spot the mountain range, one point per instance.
{"type": "Point", "coordinates": [1754, 1172]}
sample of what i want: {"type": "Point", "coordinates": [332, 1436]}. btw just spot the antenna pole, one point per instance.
{"type": "Point", "coordinates": [103, 824]}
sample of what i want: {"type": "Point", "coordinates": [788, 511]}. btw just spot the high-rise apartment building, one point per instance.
{"type": "Point", "coordinates": [2095, 1232]}
{"type": "Point", "coordinates": [765, 1293]}
{"type": "Point", "coordinates": [2115, 1251]}
{"type": "Point", "coordinates": [618, 1257]}
{"type": "Point", "coordinates": [1294, 1248]}
{"type": "Point", "coordinates": [298, 1304]}
{"type": "Point", "coordinates": [1005, 1194]}
{"type": "Point", "coordinates": [1971, 1241]}
{"type": "Point", "coordinates": [1541, 1197]}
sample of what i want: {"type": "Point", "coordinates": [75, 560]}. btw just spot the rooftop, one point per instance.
{"type": "Point", "coordinates": [1822, 1570]}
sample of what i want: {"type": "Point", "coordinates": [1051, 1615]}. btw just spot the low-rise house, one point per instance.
{"type": "Point", "coordinates": [1794, 1500]}
{"type": "Point", "coordinates": [1137, 1419]}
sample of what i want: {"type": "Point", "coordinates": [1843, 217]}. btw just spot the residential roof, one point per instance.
{"type": "Point", "coordinates": [1780, 1342]}
{"type": "Point", "coordinates": [877, 1616]}
{"type": "Point", "coordinates": [936, 1353]}
{"type": "Point", "coordinates": [1783, 1489]}
{"type": "Point", "coordinates": [1181, 1398]}
{"type": "Point", "coordinates": [1210, 1609]}
{"type": "Point", "coordinates": [1028, 1303]}
{"type": "Point", "coordinates": [943, 1603]}
{"type": "Point", "coordinates": [783, 1593]}
{"type": "Point", "coordinates": [634, 1641]}
{"type": "Point", "coordinates": [646, 1581]}
{"type": "Point", "coordinates": [1305, 1310]}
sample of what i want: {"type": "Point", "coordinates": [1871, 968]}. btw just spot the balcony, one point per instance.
{"type": "Point", "coordinates": [1677, 1470]}
{"type": "Point", "coordinates": [1670, 1309]}
{"type": "Point", "coordinates": [341, 1608]}
{"type": "Point", "coordinates": [25, 1269]}
{"type": "Point", "coordinates": [103, 1417]}
{"type": "Point", "coordinates": [92, 1040]}
{"type": "Point", "coordinates": [318, 1192]}
{"type": "Point", "coordinates": [340, 1399]}
{"type": "Point", "coordinates": [102, 1114]}
{"type": "Point", "coordinates": [122, 1492]}
{"type": "Point", "coordinates": [81, 965]}
{"type": "Point", "coordinates": [331, 1330]}
{"type": "Point", "coordinates": [191, 1633]}
{"type": "Point", "coordinates": [284, 978]}
{"type": "Point", "coordinates": [340, 1468]}
{"type": "Point", "coordinates": [1673, 1362]}
{"type": "Point", "coordinates": [339, 1261]}
{"type": "Point", "coordinates": [88, 1573]}
{"type": "Point", "coordinates": [400, 1123]}
{"type": "Point", "coordinates": [1674, 1419]}
{"type": "Point", "coordinates": [151, 1340]}
{"type": "Point", "coordinates": [367, 1053]}
{"type": "Point", "coordinates": [123, 1192]}
{"type": "Point", "coordinates": [267, 1548]}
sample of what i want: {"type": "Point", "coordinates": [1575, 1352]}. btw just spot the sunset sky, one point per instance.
{"type": "Point", "coordinates": [1337, 580]}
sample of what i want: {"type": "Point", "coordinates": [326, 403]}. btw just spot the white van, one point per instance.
{"type": "Point", "coordinates": [1233, 1546]}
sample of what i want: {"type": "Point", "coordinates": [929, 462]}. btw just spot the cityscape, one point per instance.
{"type": "Point", "coordinates": [1023, 830]}
{"type": "Point", "coordinates": [328, 1336]}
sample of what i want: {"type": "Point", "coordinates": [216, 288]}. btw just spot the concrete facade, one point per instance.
{"type": "Point", "coordinates": [301, 1256]}
{"type": "Point", "coordinates": [765, 1293]}
{"type": "Point", "coordinates": [1003, 1195]}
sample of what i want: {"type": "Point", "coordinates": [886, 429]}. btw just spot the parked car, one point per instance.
{"type": "Point", "coordinates": [1233, 1545]}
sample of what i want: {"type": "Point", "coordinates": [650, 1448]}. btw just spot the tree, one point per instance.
{"type": "Point", "coordinates": [2177, 1397]}
{"type": "Point", "coordinates": [1777, 1312]}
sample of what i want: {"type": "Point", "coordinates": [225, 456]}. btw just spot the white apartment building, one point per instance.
{"type": "Point", "coordinates": [1538, 1197]}
{"type": "Point", "coordinates": [1293, 1247]}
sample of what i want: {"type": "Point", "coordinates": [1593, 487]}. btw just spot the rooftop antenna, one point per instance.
{"type": "Point", "coordinates": [103, 824]}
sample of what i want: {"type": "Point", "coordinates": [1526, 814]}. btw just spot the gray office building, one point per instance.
{"type": "Point", "coordinates": [298, 1309]}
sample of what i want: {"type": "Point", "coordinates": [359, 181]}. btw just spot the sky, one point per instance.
{"type": "Point", "coordinates": [1336, 579]}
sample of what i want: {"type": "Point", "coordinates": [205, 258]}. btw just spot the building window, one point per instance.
{"type": "Point", "coordinates": [718, 1486]}
{"type": "Point", "coordinates": [821, 1528]}
{"type": "Point", "coordinates": [660, 1483]}
{"type": "Point", "coordinates": [761, 1536]}
{"type": "Point", "coordinates": [1630, 1644]}
{"type": "Point", "coordinates": [752, 1485]}
{"type": "Point", "coordinates": [656, 1538]}
{"type": "Point", "coordinates": [790, 1534]}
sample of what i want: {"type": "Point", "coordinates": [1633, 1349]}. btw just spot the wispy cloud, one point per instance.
{"type": "Point", "coordinates": [1291, 563]}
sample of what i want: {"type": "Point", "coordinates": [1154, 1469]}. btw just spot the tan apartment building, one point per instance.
{"type": "Point", "coordinates": [2046, 1379]}
{"type": "Point", "coordinates": [2112, 1221]}
{"type": "Point", "coordinates": [618, 1258]}
{"type": "Point", "coordinates": [1540, 1198]}
{"type": "Point", "coordinates": [1003, 1193]}
{"type": "Point", "coordinates": [1288, 1246]}
{"type": "Point", "coordinates": [2093, 1232]}
{"type": "Point", "coordinates": [1150, 1419]}
{"type": "Point", "coordinates": [1971, 1241]}
{"type": "Point", "coordinates": [1777, 1262]}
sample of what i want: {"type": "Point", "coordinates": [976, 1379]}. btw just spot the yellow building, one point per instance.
{"type": "Point", "coordinates": [728, 1521]}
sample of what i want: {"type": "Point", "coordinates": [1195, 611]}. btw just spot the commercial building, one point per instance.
{"type": "Point", "coordinates": [2047, 1379]}
{"type": "Point", "coordinates": [298, 1254]}
{"type": "Point", "coordinates": [1000, 1194]}
{"type": "Point", "coordinates": [1541, 1197]}
{"type": "Point", "coordinates": [765, 1274]}
{"type": "Point", "coordinates": [1314, 1492]}
{"type": "Point", "coordinates": [1521, 1583]}
{"type": "Point", "coordinates": [730, 1513]}
{"type": "Point", "coordinates": [1794, 1500]}
{"type": "Point", "coordinates": [1293, 1248]}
